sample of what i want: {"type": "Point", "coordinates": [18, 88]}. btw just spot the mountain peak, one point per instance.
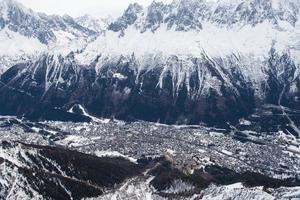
{"type": "Point", "coordinates": [129, 17]}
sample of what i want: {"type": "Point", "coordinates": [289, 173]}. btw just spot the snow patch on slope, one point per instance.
{"type": "Point", "coordinates": [16, 48]}
{"type": "Point", "coordinates": [13, 43]}
{"type": "Point", "coordinates": [114, 154]}
{"type": "Point", "coordinates": [214, 40]}
{"type": "Point", "coordinates": [67, 42]}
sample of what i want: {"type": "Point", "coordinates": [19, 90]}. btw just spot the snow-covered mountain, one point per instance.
{"type": "Point", "coordinates": [183, 62]}
{"type": "Point", "coordinates": [191, 14]}
{"type": "Point", "coordinates": [19, 19]}
{"type": "Point", "coordinates": [25, 33]}
{"type": "Point", "coordinates": [17, 48]}
{"type": "Point", "coordinates": [231, 68]}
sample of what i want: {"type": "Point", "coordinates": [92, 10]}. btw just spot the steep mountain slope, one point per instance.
{"type": "Point", "coordinates": [38, 172]}
{"type": "Point", "coordinates": [184, 62]}
{"type": "Point", "coordinates": [119, 89]}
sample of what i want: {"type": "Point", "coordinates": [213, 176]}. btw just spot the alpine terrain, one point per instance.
{"type": "Point", "coordinates": [193, 99]}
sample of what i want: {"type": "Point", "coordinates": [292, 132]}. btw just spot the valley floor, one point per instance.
{"type": "Point", "coordinates": [250, 146]}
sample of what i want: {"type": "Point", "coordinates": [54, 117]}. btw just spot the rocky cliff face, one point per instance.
{"type": "Point", "coordinates": [169, 93]}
